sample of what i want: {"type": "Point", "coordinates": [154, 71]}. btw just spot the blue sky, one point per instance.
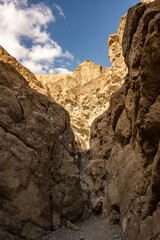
{"type": "Point", "coordinates": [55, 36]}
{"type": "Point", "coordinates": [87, 26]}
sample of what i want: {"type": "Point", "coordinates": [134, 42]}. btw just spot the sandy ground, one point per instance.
{"type": "Point", "coordinates": [92, 229]}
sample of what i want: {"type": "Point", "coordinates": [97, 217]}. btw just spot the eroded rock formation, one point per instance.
{"type": "Point", "coordinates": [39, 165]}
{"type": "Point", "coordinates": [82, 95]}
{"type": "Point", "coordinates": [41, 186]}
{"type": "Point", "coordinates": [126, 137]}
{"type": "Point", "coordinates": [85, 93]}
{"type": "Point", "coordinates": [95, 174]}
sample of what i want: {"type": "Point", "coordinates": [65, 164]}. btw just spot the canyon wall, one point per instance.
{"type": "Point", "coordinates": [95, 174]}
{"type": "Point", "coordinates": [126, 137]}
{"type": "Point", "coordinates": [39, 164]}
{"type": "Point", "coordinates": [85, 93]}
{"type": "Point", "coordinates": [42, 177]}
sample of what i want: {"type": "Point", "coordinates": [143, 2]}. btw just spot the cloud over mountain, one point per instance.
{"type": "Point", "coordinates": [23, 33]}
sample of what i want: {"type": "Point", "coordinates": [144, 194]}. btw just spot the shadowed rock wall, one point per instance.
{"type": "Point", "coordinates": [126, 137]}
{"type": "Point", "coordinates": [39, 165]}
{"type": "Point", "coordinates": [95, 173]}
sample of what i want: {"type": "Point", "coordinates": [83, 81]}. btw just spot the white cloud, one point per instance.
{"type": "Point", "coordinates": [19, 21]}
{"type": "Point", "coordinates": [59, 71]}
{"type": "Point", "coordinates": [59, 10]}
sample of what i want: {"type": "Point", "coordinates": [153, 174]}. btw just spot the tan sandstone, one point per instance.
{"type": "Point", "coordinates": [85, 93]}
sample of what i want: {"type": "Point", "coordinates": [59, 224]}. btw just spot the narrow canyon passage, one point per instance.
{"type": "Point", "coordinates": [93, 229]}
{"type": "Point", "coordinates": [46, 180]}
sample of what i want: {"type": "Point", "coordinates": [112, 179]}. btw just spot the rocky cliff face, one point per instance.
{"type": "Point", "coordinates": [40, 182]}
{"type": "Point", "coordinates": [39, 165]}
{"type": "Point", "coordinates": [85, 93]}
{"type": "Point", "coordinates": [95, 174]}
{"type": "Point", "coordinates": [126, 137]}
{"type": "Point", "coordinates": [81, 94]}
{"type": "Point", "coordinates": [25, 72]}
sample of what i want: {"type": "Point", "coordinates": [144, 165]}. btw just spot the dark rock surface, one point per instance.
{"type": "Point", "coordinates": [127, 135]}
{"type": "Point", "coordinates": [39, 170]}
{"type": "Point", "coordinates": [44, 180]}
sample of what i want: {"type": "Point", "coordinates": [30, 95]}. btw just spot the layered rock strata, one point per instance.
{"type": "Point", "coordinates": [39, 164]}
{"type": "Point", "coordinates": [126, 137]}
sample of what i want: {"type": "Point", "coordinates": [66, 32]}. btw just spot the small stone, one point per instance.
{"type": "Point", "coordinates": [72, 226]}
{"type": "Point", "coordinates": [81, 237]}
{"type": "Point", "coordinates": [115, 236]}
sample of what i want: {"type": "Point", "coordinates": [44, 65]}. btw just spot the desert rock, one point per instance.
{"type": "Point", "coordinates": [101, 141]}
{"type": "Point", "coordinates": [39, 172]}
{"type": "Point", "coordinates": [127, 135]}
{"type": "Point", "coordinates": [45, 180]}
{"type": "Point", "coordinates": [85, 93]}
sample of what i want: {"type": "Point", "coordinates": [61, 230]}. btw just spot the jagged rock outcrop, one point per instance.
{"type": "Point", "coordinates": [40, 183]}
{"type": "Point", "coordinates": [81, 93]}
{"type": "Point", "coordinates": [95, 173]}
{"type": "Point", "coordinates": [118, 69]}
{"type": "Point", "coordinates": [126, 137]}
{"type": "Point", "coordinates": [85, 93]}
{"type": "Point", "coordinates": [41, 186]}
{"type": "Point", "coordinates": [39, 164]}
{"type": "Point", "coordinates": [25, 72]}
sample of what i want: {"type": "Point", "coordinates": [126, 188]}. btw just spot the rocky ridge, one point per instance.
{"type": "Point", "coordinates": [25, 72]}
{"type": "Point", "coordinates": [85, 93]}
{"type": "Point", "coordinates": [126, 137]}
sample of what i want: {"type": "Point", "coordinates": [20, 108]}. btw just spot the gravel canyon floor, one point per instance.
{"type": "Point", "coordinates": [93, 229]}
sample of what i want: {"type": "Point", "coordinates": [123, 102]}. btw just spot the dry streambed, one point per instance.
{"type": "Point", "coordinates": [93, 229]}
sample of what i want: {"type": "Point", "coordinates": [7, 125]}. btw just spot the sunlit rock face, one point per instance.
{"type": "Point", "coordinates": [126, 137]}
{"type": "Point", "coordinates": [82, 95]}
{"type": "Point", "coordinates": [85, 93]}
{"type": "Point", "coordinates": [147, 1]}
{"type": "Point", "coordinates": [39, 165]}
{"type": "Point", "coordinates": [25, 72]}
